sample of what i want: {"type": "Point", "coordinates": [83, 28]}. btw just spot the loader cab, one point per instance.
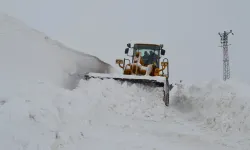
{"type": "Point", "coordinates": [150, 53]}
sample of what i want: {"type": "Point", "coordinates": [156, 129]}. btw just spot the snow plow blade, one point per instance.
{"type": "Point", "coordinates": [151, 81]}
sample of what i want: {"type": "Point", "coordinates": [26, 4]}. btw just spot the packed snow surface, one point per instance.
{"type": "Point", "coordinates": [38, 112]}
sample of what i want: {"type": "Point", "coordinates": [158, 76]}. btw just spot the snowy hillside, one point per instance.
{"type": "Point", "coordinates": [38, 111]}
{"type": "Point", "coordinates": [26, 54]}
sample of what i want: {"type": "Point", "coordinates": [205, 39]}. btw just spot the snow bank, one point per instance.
{"type": "Point", "coordinates": [222, 106]}
{"type": "Point", "coordinates": [96, 115]}
{"type": "Point", "coordinates": [28, 55]}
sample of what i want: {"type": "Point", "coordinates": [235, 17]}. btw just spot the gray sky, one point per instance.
{"type": "Point", "coordinates": [187, 28]}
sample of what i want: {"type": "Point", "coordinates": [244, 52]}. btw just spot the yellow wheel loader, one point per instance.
{"type": "Point", "coordinates": [145, 68]}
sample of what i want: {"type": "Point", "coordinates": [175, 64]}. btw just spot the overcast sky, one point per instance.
{"type": "Point", "coordinates": [187, 28]}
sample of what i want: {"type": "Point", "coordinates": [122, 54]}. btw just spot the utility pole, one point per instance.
{"type": "Point", "coordinates": [224, 45]}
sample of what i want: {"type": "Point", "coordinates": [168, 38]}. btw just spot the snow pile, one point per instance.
{"type": "Point", "coordinates": [222, 106]}
{"type": "Point", "coordinates": [98, 114]}
{"type": "Point", "coordinates": [42, 116]}
{"type": "Point", "coordinates": [135, 101]}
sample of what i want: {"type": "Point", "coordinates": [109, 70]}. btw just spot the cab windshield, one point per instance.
{"type": "Point", "coordinates": [149, 56]}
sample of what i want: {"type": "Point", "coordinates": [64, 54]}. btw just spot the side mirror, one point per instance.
{"type": "Point", "coordinates": [161, 46]}
{"type": "Point", "coordinates": [162, 52]}
{"type": "Point", "coordinates": [126, 50]}
{"type": "Point", "coordinates": [129, 45]}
